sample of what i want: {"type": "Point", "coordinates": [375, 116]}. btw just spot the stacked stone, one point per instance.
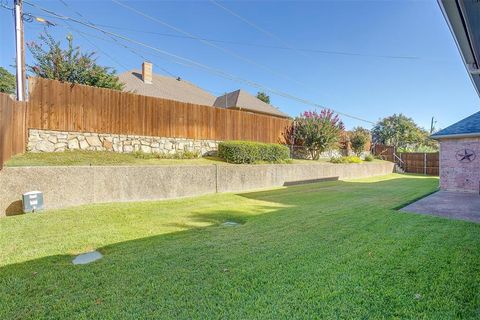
{"type": "Point", "coordinates": [59, 141]}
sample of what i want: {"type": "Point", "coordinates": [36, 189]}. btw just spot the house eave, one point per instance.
{"type": "Point", "coordinates": [456, 136]}
{"type": "Point", "coordinates": [454, 16]}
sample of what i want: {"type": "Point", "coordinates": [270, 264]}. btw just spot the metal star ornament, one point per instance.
{"type": "Point", "coordinates": [465, 155]}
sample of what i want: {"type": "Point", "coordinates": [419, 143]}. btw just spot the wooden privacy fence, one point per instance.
{"type": "Point", "coordinates": [386, 152]}
{"type": "Point", "coordinates": [419, 162]}
{"type": "Point", "coordinates": [54, 105]}
{"type": "Point", "coordinates": [13, 133]}
{"type": "Point", "coordinates": [411, 162]}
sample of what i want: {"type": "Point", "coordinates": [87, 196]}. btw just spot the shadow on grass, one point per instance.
{"type": "Point", "coordinates": [403, 205]}
{"type": "Point", "coordinates": [14, 209]}
{"type": "Point", "coordinates": [213, 270]}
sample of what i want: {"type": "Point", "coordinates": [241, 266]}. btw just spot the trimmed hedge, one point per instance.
{"type": "Point", "coordinates": [251, 152]}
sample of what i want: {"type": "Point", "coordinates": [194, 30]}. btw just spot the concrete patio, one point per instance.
{"type": "Point", "coordinates": [453, 205]}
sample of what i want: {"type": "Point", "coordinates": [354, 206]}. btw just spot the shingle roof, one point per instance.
{"type": "Point", "coordinates": [167, 88]}
{"type": "Point", "coordinates": [467, 127]}
{"type": "Point", "coordinates": [241, 99]}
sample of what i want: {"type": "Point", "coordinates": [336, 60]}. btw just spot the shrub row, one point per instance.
{"type": "Point", "coordinates": [251, 152]}
{"type": "Point", "coordinates": [349, 159]}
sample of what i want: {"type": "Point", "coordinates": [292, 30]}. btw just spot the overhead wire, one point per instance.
{"type": "Point", "coordinates": [255, 26]}
{"type": "Point", "coordinates": [130, 49]}
{"type": "Point", "coordinates": [207, 42]}
{"type": "Point", "coordinates": [136, 50]}
{"type": "Point", "coordinates": [260, 45]}
{"type": "Point", "coordinates": [115, 40]}
{"type": "Point", "coordinates": [204, 67]}
{"type": "Point", "coordinates": [125, 46]}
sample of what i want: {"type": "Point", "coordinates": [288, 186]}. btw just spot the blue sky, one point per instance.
{"type": "Point", "coordinates": [433, 83]}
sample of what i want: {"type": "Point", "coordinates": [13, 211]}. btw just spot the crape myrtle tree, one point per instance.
{"type": "Point", "coordinates": [70, 64]}
{"type": "Point", "coordinates": [316, 132]}
{"type": "Point", "coordinates": [7, 81]}
{"type": "Point", "coordinates": [403, 133]}
{"type": "Point", "coordinates": [359, 138]}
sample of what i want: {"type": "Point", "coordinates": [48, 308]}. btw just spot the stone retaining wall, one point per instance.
{"type": "Point", "coordinates": [58, 141]}
{"type": "Point", "coordinates": [69, 186]}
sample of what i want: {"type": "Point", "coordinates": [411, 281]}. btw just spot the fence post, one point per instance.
{"type": "Point", "coordinates": [425, 163]}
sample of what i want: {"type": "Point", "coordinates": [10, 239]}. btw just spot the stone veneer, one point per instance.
{"type": "Point", "coordinates": [456, 175]}
{"type": "Point", "coordinates": [58, 141]}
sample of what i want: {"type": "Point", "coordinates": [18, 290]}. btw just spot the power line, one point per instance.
{"type": "Point", "coordinates": [204, 41]}
{"type": "Point", "coordinates": [136, 51]}
{"type": "Point", "coordinates": [131, 50]}
{"type": "Point", "coordinates": [253, 25]}
{"type": "Point", "coordinates": [329, 52]}
{"type": "Point", "coordinates": [69, 27]}
{"type": "Point", "coordinates": [199, 65]}
{"type": "Point", "coordinates": [260, 45]}
{"type": "Point", "coordinates": [206, 68]}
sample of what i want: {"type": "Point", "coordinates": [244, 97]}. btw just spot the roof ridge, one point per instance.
{"type": "Point", "coordinates": [237, 96]}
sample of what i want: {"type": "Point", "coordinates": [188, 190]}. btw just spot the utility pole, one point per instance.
{"type": "Point", "coordinates": [432, 125]}
{"type": "Point", "coordinates": [20, 51]}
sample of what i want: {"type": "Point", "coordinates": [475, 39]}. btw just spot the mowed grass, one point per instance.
{"type": "Point", "coordinates": [332, 250]}
{"type": "Point", "coordinates": [98, 158]}
{"type": "Point", "coordinates": [106, 158]}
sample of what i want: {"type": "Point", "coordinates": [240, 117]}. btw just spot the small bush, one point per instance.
{"type": "Point", "coordinates": [349, 159]}
{"type": "Point", "coordinates": [368, 157]}
{"type": "Point", "coordinates": [251, 152]}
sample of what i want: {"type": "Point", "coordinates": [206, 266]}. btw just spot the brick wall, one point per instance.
{"type": "Point", "coordinates": [456, 175]}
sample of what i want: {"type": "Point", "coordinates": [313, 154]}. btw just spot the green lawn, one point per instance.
{"type": "Point", "coordinates": [98, 158]}
{"type": "Point", "coordinates": [332, 250]}
{"type": "Point", "coordinates": [105, 158]}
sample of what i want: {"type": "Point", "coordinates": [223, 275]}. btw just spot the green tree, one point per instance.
{"type": "Point", "coordinates": [7, 81]}
{"type": "Point", "coordinates": [359, 138]}
{"type": "Point", "coordinates": [263, 96]}
{"type": "Point", "coordinates": [70, 64]}
{"type": "Point", "coordinates": [317, 132]}
{"type": "Point", "coordinates": [401, 132]}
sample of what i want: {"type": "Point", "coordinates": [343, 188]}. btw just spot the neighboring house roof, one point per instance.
{"type": "Point", "coordinates": [242, 100]}
{"type": "Point", "coordinates": [467, 127]}
{"type": "Point", "coordinates": [166, 87]}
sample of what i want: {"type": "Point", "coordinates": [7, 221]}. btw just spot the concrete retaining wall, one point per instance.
{"type": "Point", "coordinates": [69, 186]}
